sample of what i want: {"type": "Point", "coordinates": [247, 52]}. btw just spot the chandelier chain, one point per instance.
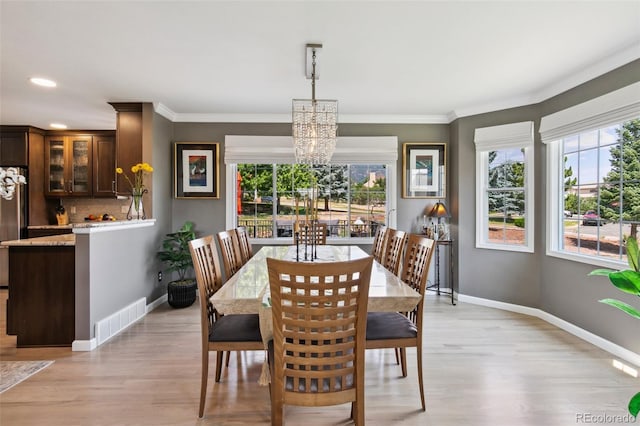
{"type": "Point", "coordinates": [313, 75]}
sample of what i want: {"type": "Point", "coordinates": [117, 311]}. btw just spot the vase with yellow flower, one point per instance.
{"type": "Point", "coordinates": [136, 209]}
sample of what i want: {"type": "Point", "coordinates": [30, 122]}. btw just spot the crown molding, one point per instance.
{"type": "Point", "coordinates": [164, 111]}
{"type": "Point", "coordinates": [231, 118]}
{"type": "Point", "coordinates": [616, 60]}
{"type": "Point", "coordinates": [175, 117]}
{"type": "Point", "coordinates": [514, 102]}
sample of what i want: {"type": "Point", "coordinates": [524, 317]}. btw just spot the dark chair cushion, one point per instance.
{"type": "Point", "coordinates": [302, 385]}
{"type": "Point", "coordinates": [236, 328]}
{"type": "Point", "coordinates": [389, 325]}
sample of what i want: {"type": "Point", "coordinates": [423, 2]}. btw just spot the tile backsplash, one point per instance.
{"type": "Point", "coordinates": [95, 206]}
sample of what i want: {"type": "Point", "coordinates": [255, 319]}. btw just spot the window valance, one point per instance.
{"type": "Point", "coordinates": [615, 107]}
{"type": "Point", "coordinates": [504, 136]}
{"type": "Point", "coordinates": [279, 150]}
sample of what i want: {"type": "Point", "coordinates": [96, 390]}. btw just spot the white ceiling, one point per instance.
{"type": "Point", "coordinates": [385, 61]}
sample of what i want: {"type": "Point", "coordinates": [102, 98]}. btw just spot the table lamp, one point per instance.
{"type": "Point", "coordinates": [440, 211]}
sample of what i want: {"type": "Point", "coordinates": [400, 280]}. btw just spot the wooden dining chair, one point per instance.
{"type": "Point", "coordinates": [379, 240]}
{"type": "Point", "coordinates": [311, 233]}
{"type": "Point", "coordinates": [246, 252]}
{"type": "Point", "coordinates": [231, 255]}
{"type": "Point", "coordinates": [402, 330]}
{"type": "Point", "coordinates": [219, 333]}
{"type": "Point", "coordinates": [394, 245]}
{"type": "Point", "coordinates": [319, 323]}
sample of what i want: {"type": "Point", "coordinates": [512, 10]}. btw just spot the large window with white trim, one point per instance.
{"type": "Point", "coordinates": [593, 162]}
{"type": "Point", "coordinates": [504, 197]}
{"type": "Point", "coordinates": [600, 190]}
{"type": "Point", "coordinates": [349, 199]}
{"type": "Point", "coordinates": [269, 193]}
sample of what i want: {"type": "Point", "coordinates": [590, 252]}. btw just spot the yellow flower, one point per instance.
{"type": "Point", "coordinates": [138, 170]}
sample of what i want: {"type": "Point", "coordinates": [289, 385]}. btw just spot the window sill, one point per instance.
{"type": "Point", "coordinates": [506, 247]}
{"type": "Point", "coordinates": [596, 262]}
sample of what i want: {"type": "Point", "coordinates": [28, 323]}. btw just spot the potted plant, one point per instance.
{"type": "Point", "coordinates": [629, 282]}
{"type": "Point", "coordinates": [176, 256]}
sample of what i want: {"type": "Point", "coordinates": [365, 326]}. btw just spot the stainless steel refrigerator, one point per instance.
{"type": "Point", "coordinates": [13, 225]}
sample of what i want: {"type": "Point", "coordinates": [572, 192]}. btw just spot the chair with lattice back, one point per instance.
{"type": "Point", "coordinates": [246, 252]}
{"type": "Point", "coordinates": [230, 250]}
{"type": "Point", "coordinates": [379, 240]}
{"type": "Point", "coordinates": [219, 333]}
{"type": "Point", "coordinates": [394, 245]}
{"type": "Point", "coordinates": [402, 330]}
{"type": "Point", "coordinates": [319, 323]}
{"type": "Point", "coordinates": [311, 233]}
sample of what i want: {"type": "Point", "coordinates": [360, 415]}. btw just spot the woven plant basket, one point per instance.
{"type": "Point", "coordinates": [181, 294]}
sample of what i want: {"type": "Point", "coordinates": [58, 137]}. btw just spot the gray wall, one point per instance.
{"type": "Point", "coordinates": [566, 291]}
{"type": "Point", "coordinates": [113, 269]}
{"type": "Point", "coordinates": [493, 274]}
{"type": "Point", "coordinates": [557, 286]}
{"type": "Point", "coordinates": [209, 215]}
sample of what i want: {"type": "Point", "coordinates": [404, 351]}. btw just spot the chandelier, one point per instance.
{"type": "Point", "coordinates": [315, 121]}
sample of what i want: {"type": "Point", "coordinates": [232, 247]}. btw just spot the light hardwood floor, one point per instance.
{"type": "Point", "coordinates": [482, 367]}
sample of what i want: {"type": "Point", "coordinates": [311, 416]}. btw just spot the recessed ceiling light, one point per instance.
{"type": "Point", "coordinates": [58, 125]}
{"type": "Point", "coordinates": [44, 82]}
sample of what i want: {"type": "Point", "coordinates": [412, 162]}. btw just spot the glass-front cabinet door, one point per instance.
{"type": "Point", "coordinates": [81, 165]}
{"type": "Point", "coordinates": [68, 162]}
{"type": "Point", "coordinates": [56, 183]}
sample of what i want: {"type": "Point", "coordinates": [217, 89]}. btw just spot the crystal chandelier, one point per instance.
{"type": "Point", "coordinates": [315, 122]}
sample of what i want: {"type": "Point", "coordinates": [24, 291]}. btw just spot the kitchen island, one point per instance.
{"type": "Point", "coordinates": [61, 286]}
{"type": "Point", "coordinates": [41, 303]}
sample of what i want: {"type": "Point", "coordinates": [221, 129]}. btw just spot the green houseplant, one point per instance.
{"type": "Point", "coordinates": [176, 256]}
{"type": "Point", "coordinates": [629, 282]}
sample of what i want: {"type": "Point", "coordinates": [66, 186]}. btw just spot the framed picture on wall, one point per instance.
{"type": "Point", "coordinates": [196, 170]}
{"type": "Point", "coordinates": [424, 170]}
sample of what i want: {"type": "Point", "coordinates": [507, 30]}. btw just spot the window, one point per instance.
{"type": "Point", "coordinates": [593, 159]}
{"type": "Point", "coordinates": [504, 192]}
{"type": "Point", "coordinates": [599, 190]}
{"type": "Point", "coordinates": [350, 199]}
{"type": "Point", "coordinates": [269, 193]}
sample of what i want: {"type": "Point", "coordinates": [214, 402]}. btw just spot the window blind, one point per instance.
{"type": "Point", "coordinates": [504, 136]}
{"type": "Point", "coordinates": [615, 107]}
{"type": "Point", "coordinates": [248, 149]}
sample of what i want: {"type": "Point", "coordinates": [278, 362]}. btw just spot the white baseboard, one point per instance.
{"type": "Point", "coordinates": [84, 345]}
{"type": "Point", "coordinates": [108, 327]}
{"type": "Point", "coordinates": [159, 301]}
{"type": "Point", "coordinates": [594, 339]}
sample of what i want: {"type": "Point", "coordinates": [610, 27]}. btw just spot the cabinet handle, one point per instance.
{"type": "Point", "coordinates": [113, 186]}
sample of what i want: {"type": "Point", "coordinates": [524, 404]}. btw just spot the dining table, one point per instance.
{"type": "Point", "coordinates": [247, 291]}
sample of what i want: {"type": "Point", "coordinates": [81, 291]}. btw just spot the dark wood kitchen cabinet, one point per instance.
{"type": "Point", "coordinates": [41, 302]}
{"type": "Point", "coordinates": [129, 140]}
{"type": "Point", "coordinates": [68, 165]}
{"type": "Point", "coordinates": [14, 149]}
{"type": "Point", "coordinates": [80, 165]}
{"type": "Point", "coordinates": [104, 166]}
{"type": "Point", "coordinates": [23, 146]}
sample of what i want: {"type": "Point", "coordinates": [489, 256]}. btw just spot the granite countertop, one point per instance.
{"type": "Point", "coordinates": [69, 226]}
{"type": "Point", "coordinates": [78, 228]}
{"type": "Point", "coordinates": [53, 240]}
{"type": "Point", "coordinates": [96, 224]}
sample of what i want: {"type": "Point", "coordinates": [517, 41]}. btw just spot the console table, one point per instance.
{"type": "Point", "coordinates": [450, 290]}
